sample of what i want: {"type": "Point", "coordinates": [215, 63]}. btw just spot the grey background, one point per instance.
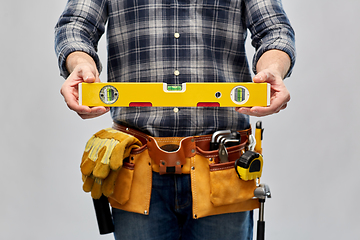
{"type": "Point", "coordinates": [310, 149]}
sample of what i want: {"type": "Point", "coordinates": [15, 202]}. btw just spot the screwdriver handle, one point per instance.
{"type": "Point", "coordinates": [258, 136]}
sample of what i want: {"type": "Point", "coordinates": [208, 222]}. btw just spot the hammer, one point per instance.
{"type": "Point", "coordinates": [261, 192]}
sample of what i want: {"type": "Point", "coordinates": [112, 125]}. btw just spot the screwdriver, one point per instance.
{"type": "Point", "coordinates": [258, 136]}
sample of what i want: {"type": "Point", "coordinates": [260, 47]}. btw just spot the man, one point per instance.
{"type": "Point", "coordinates": [176, 42]}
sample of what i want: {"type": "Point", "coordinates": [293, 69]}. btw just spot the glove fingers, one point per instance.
{"type": "Point", "coordinates": [87, 166]}
{"type": "Point", "coordinates": [90, 143]}
{"type": "Point", "coordinates": [96, 189]}
{"type": "Point", "coordinates": [109, 150]}
{"type": "Point", "coordinates": [109, 183]}
{"type": "Point", "coordinates": [91, 155]}
{"type": "Point", "coordinates": [117, 158]}
{"type": "Point", "coordinates": [84, 157]}
{"type": "Point", "coordinates": [94, 185]}
{"type": "Point", "coordinates": [88, 183]}
{"type": "Point", "coordinates": [101, 170]}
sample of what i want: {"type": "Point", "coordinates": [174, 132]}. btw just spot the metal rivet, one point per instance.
{"type": "Point", "coordinates": [195, 216]}
{"type": "Point", "coordinates": [127, 129]}
{"type": "Point", "coordinates": [145, 212]}
{"type": "Point", "coordinates": [176, 73]}
{"type": "Point", "coordinates": [192, 168]}
{"type": "Point", "coordinates": [163, 162]}
{"type": "Point", "coordinates": [177, 163]}
{"type": "Point", "coordinates": [210, 159]}
{"type": "Point", "coordinates": [193, 140]}
{"type": "Point", "coordinates": [176, 110]}
{"type": "Point", "coordinates": [177, 35]}
{"type": "Point", "coordinates": [193, 150]}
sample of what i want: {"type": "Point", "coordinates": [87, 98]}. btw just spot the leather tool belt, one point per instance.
{"type": "Point", "coordinates": [216, 188]}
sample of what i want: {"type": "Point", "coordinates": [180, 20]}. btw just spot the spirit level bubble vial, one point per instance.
{"type": "Point", "coordinates": [174, 95]}
{"type": "Point", "coordinates": [239, 95]}
{"type": "Point", "coordinates": [108, 94]}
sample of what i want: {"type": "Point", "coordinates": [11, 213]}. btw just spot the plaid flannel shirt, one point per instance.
{"type": "Point", "coordinates": [175, 41]}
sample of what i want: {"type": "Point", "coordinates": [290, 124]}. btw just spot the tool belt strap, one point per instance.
{"type": "Point", "coordinates": [172, 154]}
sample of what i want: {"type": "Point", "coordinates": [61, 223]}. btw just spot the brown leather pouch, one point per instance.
{"type": "Point", "coordinates": [217, 189]}
{"type": "Point", "coordinates": [133, 185]}
{"type": "Point", "coordinates": [226, 187]}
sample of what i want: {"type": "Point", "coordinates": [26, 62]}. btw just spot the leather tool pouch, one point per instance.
{"type": "Point", "coordinates": [216, 187]}
{"type": "Point", "coordinates": [133, 185]}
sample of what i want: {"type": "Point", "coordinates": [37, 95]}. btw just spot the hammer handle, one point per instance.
{"type": "Point", "coordinates": [103, 215]}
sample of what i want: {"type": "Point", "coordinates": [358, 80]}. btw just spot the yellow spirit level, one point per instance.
{"type": "Point", "coordinates": [171, 95]}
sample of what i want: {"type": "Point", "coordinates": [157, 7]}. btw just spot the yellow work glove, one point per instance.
{"type": "Point", "coordinates": [103, 157]}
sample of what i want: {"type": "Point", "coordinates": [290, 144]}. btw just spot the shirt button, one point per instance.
{"type": "Point", "coordinates": [176, 73]}
{"type": "Point", "coordinates": [176, 110]}
{"type": "Point", "coordinates": [177, 35]}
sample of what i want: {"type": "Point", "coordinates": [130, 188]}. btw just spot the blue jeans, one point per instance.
{"type": "Point", "coordinates": [170, 217]}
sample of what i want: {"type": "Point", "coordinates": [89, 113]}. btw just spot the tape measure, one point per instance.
{"type": "Point", "coordinates": [174, 95]}
{"type": "Point", "coordinates": [249, 166]}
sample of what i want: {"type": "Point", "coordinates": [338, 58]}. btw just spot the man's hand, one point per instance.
{"type": "Point", "coordinates": [272, 68]}
{"type": "Point", "coordinates": [83, 69]}
{"type": "Point", "coordinates": [279, 98]}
